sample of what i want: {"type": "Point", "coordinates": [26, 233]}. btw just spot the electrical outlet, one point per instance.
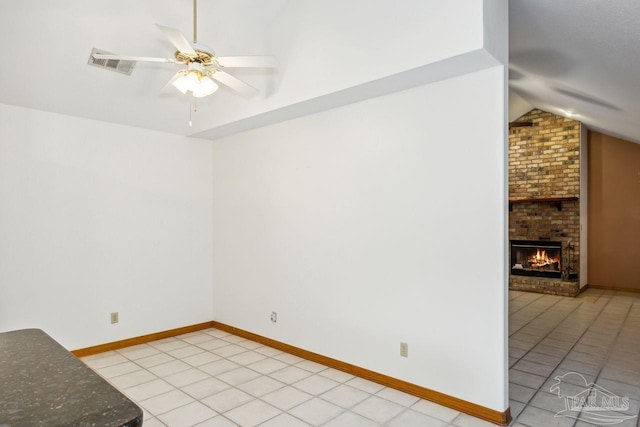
{"type": "Point", "coordinates": [404, 349]}
{"type": "Point", "coordinates": [274, 316]}
{"type": "Point", "coordinates": [114, 318]}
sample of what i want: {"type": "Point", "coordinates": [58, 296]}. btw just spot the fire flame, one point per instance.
{"type": "Point", "coordinates": [541, 259]}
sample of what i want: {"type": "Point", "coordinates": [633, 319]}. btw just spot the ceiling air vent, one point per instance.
{"type": "Point", "coordinates": [124, 67]}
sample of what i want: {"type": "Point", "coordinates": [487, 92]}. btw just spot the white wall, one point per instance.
{"type": "Point", "coordinates": [495, 19]}
{"type": "Point", "coordinates": [96, 218]}
{"type": "Point", "coordinates": [354, 225]}
{"type": "Point", "coordinates": [327, 46]}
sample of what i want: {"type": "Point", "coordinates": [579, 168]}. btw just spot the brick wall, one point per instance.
{"type": "Point", "coordinates": [544, 159]}
{"type": "Point", "coordinates": [544, 162]}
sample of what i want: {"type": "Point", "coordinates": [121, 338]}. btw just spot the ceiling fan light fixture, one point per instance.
{"type": "Point", "coordinates": [206, 87]}
{"type": "Point", "coordinates": [182, 84]}
{"type": "Point", "coordinates": [196, 82]}
{"type": "Point", "coordinates": [203, 68]}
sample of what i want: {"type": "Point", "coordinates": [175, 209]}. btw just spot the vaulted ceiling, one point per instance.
{"type": "Point", "coordinates": [578, 56]}
{"type": "Point", "coordinates": [323, 48]}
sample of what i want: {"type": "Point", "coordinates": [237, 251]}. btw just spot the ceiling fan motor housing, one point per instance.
{"type": "Point", "coordinates": [204, 55]}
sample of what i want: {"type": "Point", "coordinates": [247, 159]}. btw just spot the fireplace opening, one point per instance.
{"type": "Point", "coordinates": [536, 258]}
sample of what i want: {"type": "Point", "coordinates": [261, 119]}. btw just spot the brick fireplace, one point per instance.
{"type": "Point", "coordinates": [544, 204]}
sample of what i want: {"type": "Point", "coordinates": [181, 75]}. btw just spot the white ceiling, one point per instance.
{"type": "Point", "coordinates": [323, 48]}
{"type": "Point", "coordinates": [581, 57]}
{"type": "Point", "coordinates": [570, 55]}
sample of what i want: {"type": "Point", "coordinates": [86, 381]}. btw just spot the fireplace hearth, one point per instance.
{"type": "Point", "coordinates": [538, 258]}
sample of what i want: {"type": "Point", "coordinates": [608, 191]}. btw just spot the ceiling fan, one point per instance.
{"type": "Point", "coordinates": [201, 68]}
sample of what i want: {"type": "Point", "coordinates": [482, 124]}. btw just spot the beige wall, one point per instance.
{"type": "Point", "coordinates": [614, 212]}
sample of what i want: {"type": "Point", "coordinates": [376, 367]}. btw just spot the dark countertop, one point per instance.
{"type": "Point", "coordinates": [42, 384]}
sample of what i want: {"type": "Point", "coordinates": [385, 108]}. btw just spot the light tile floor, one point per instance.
{"type": "Point", "coordinates": [596, 335]}
{"type": "Point", "coordinates": [212, 378]}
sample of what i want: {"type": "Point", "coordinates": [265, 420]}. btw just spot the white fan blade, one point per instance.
{"type": "Point", "coordinates": [258, 61]}
{"type": "Point", "coordinates": [132, 58]}
{"type": "Point", "coordinates": [178, 40]}
{"type": "Point", "coordinates": [234, 83]}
